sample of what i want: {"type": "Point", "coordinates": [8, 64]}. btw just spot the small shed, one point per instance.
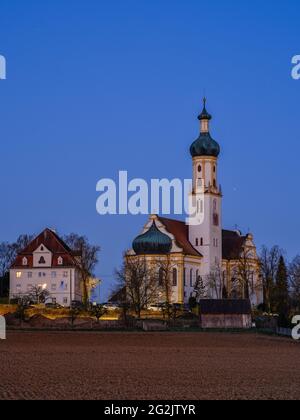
{"type": "Point", "coordinates": [225, 314]}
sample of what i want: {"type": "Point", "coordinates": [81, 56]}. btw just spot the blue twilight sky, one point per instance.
{"type": "Point", "coordinates": [98, 86]}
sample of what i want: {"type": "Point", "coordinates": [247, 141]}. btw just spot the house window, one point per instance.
{"type": "Point", "coordinates": [65, 274]}
{"type": "Point", "coordinates": [175, 277]}
{"type": "Point", "coordinates": [19, 274]}
{"type": "Point", "coordinates": [65, 301]}
{"type": "Point", "coordinates": [53, 274]}
{"type": "Point", "coordinates": [191, 278]}
{"type": "Point", "coordinates": [29, 288]}
{"type": "Point", "coordinates": [60, 261]}
{"type": "Point", "coordinates": [42, 260]}
{"type": "Point", "coordinates": [29, 275]}
{"type": "Point", "coordinates": [25, 261]}
{"type": "Point", "coordinates": [53, 287]}
{"type": "Point", "coordinates": [63, 285]}
{"type": "Point", "coordinates": [161, 277]}
{"type": "Point", "coordinates": [18, 286]}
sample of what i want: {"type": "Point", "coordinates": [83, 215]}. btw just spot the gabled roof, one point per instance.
{"type": "Point", "coordinates": [50, 240]}
{"type": "Point", "coordinates": [54, 244]}
{"type": "Point", "coordinates": [181, 232]}
{"type": "Point", "coordinates": [233, 243]}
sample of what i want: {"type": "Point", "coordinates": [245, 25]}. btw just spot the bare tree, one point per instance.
{"type": "Point", "coordinates": [38, 294]}
{"type": "Point", "coordinates": [8, 253]}
{"type": "Point", "coordinates": [215, 282]}
{"type": "Point", "coordinates": [269, 262]}
{"type": "Point", "coordinates": [200, 290]}
{"type": "Point", "coordinates": [86, 260]}
{"type": "Point", "coordinates": [166, 282]}
{"type": "Point", "coordinates": [140, 281]}
{"type": "Point", "coordinates": [244, 272]}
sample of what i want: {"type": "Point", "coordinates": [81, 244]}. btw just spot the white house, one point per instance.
{"type": "Point", "coordinates": [226, 261]}
{"type": "Point", "coordinates": [49, 263]}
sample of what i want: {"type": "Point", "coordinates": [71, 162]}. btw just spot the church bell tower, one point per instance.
{"type": "Point", "coordinates": [205, 234]}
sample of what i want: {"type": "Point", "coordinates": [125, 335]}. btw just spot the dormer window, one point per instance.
{"type": "Point", "coordinates": [60, 261]}
{"type": "Point", "coordinates": [25, 261]}
{"type": "Point", "coordinates": [42, 248]}
{"type": "Point", "coordinates": [42, 260]}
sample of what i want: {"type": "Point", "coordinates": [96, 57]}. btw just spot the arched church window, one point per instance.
{"type": "Point", "coordinates": [201, 242]}
{"type": "Point", "coordinates": [215, 183]}
{"type": "Point", "coordinates": [215, 205]}
{"type": "Point", "coordinates": [197, 242]}
{"type": "Point", "coordinates": [215, 169]}
{"type": "Point", "coordinates": [199, 168]}
{"type": "Point", "coordinates": [175, 277]}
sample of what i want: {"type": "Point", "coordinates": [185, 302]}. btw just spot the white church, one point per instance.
{"type": "Point", "coordinates": [224, 261]}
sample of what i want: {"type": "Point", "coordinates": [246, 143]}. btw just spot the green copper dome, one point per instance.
{"type": "Point", "coordinates": [205, 145]}
{"type": "Point", "coordinates": [152, 242]}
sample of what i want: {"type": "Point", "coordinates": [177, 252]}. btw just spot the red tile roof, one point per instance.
{"type": "Point", "coordinates": [53, 243]}
{"type": "Point", "coordinates": [233, 241]}
{"type": "Point", "coordinates": [181, 232]}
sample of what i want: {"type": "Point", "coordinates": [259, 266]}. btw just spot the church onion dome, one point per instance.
{"type": "Point", "coordinates": [204, 114]}
{"type": "Point", "coordinates": [153, 242]}
{"type": "Point", "coordinates": [205, 145]}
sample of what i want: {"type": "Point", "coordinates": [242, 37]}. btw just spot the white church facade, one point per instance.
{"type": "Point", "coordinates": [224, 262]}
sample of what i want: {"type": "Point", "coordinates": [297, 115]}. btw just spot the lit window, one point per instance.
{"type": "Point", "coordinates": [19, 274]}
